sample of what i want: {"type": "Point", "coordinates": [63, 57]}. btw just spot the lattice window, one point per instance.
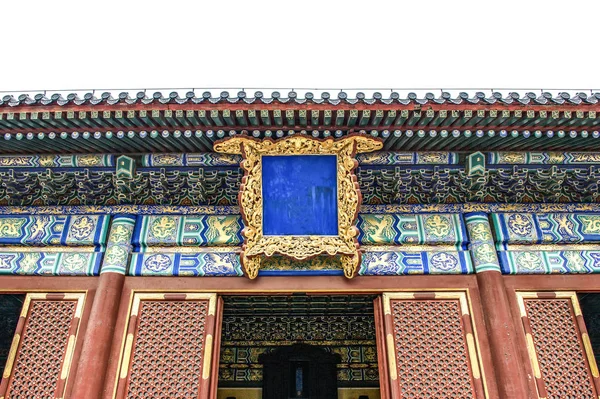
{"type": "Point", "coordinates": [431, 346]}
{"type": "Point", "coordinates": [555, 331]}
{"type": "Point", "coordinates": [41, 353]}
{"type": "Point", "coordinates": [169, 343]}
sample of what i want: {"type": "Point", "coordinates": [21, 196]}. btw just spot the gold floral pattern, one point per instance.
{"type": "Point", "coordinates": [89, 160]}
{"type": "Point", "coordinates": [480, 232]}
{"type": "Point", "coordinates": [520, 224]}
{"type": "Point", "coordinates": [438, 226]}
{"type": "Point", "coordinates": [11, 227]}
{"type": "Point", "coordinates": [82, 227]}
{"type": "Point", "coordinates": [485, 253]}
{"type": "Point", "coordinates": [120, 234]}
{"type": "Point", "coordinates": [591, 224]}
{"type": "Point", "coordinates": [529, 260]}
{"type": "Point", "coordinates": [163, 227]}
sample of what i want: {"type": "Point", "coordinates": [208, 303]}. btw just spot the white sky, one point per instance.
{"type": "Point", "coordinates": [305, 44]}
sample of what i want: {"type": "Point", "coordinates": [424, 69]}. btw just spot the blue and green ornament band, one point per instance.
{"type": "Point", "coordinates": [50, 263]}
{"type": "Point", "coordinates": [483, 251]}
{"type": "Point", "coordinates": [192, 230]}
{"type": "Point", "coordinates": [388, 158]}
{"type": "Point", "coordinates": [396, 263]}
{"type": "Point", "coordinates": [47, 230]}
{"type": "Point", "coordinates": [546, 228]}
{"type": "Point", "coordinates": [119, 245]}
{"type": "Point", "coordinates": [412, 229]}
{"type": "Point", "coordinates": [550, 262]}
{"type": "Point", "coordinates": [190, 160]}
{"type": "Point", "coordinates": [58, 161]}
{"type": "Point", "coordinates": [543, 158]}
{"type": "Point", "coordinates": [199, 264]}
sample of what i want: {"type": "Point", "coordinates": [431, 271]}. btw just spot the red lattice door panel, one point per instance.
{"type": "Point", "coordinates": [169, 345]}
{"type": "Point", "coordinates": [431, 347]}
{"type": "Point", "coordinates": [558, 345]}
{"type": "Point", "coordinates": [41, 354]}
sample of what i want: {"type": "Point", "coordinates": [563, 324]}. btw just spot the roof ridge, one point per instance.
{"type": "Point", "coordinates": [61, 98]}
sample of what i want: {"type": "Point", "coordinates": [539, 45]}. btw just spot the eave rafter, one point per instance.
{"type": "Point", "coordinates": [162, 124]}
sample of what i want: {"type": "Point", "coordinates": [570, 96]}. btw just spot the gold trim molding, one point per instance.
{"type": "Point", "coordinates": [256, 245]}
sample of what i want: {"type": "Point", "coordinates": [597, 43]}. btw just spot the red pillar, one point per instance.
{"type": "Point", "coordinates": [508, 365]}
{"type": "Point", "coordinates": [93, 361]}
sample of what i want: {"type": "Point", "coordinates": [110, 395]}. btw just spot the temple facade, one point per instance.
{"type": "Point", "coordinates": [230, 246]}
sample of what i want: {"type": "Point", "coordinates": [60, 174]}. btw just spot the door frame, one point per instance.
{"type": "Point", "coordinates": [311, 285]}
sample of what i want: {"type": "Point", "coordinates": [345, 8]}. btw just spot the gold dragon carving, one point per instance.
{"type": "Point", "coordinates": [256, 244]}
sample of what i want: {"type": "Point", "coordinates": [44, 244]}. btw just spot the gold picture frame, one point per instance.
{"type": "Point", "coordinates": [349, 198]}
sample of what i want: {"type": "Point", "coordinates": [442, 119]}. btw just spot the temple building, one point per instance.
{"type": "Point", "coordinates": [252, 246]}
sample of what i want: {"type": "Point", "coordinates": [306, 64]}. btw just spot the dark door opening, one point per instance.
{"type": "Point", "coordinates": [298, 347]}
{"type": "Point", "coordinates": [299, 372]}
{"type": "Point", "coordinates": [590, 309]}
{"type": "Point", "coordinates": [10, 310]}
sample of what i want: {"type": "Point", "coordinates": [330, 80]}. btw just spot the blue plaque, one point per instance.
{"type": "Point", "coordinates": [299, 195]}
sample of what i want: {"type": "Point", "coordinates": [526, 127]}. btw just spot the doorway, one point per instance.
{"type": "Point", "coordinates": [299, 371]}
{"type": "Point", "coordinates": [298, 346]}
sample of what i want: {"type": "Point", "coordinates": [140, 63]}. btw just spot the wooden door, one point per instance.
{"type": "Point", "coordinates": [427, 346]}
{"type": "Point", "coordinates": [41, 354]}
{"type": "Point", "coordinates": [558, 345]}
{"type": "Point", "coordinates": [171, 347]}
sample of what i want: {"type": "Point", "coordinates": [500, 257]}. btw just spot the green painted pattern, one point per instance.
{"type": "Point", "coordinates": [50, 263]}
{"type": "Point", "coordinates": [178, 230]}
{"type": "Point", "coordinates": [119, 245]}
{"type": "Point", "coordinates": [482, 247]}
{"type": "Point", "coordinates": [411, 229]}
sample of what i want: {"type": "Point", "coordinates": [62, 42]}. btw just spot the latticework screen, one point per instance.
{"type": "Point", "coordinates": [40, 358]}
{"type": "Point", "coordinates": [168, 347]}
{"type": "Point", "coordinates": [559, 349]}
{"type": "Point", "coordinates": [431, 345]}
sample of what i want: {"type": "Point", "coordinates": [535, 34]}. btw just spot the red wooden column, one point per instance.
{"type": "Point", "coordinates": [93, 361]}
{"type": "Point", "coordinates": [501, 330]}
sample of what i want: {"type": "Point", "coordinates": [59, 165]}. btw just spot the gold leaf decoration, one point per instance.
{"type": "Point", "coordinates": [251, 201]}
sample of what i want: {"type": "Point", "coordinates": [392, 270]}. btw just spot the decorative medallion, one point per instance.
{"type": "Point", "coordinates": [299, 197]}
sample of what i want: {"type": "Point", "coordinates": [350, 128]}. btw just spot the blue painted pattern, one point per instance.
{"type": "Point", "coordinates": [411, 229]}
{"type": "Point", "coordinates": [192, 159]}
{"type": "Point", "coordinates": [41, 230]}
{"type": "Point", "coordinates": [386, 263]}
{"type": "Point", "coordinates": [482, 247]}
{"type": "Point", "coordinates": [547, 228]}
{"type": "Point", "coordinates": [550, 262]}
{"type": "Point", "coordinates": [543, 158]}
{"type": "Point", "coordinates": [58, 161]}
{"type": "Point", "coordinates": [119, 245]}
{"type": "Point", "coordinates": [186, 264]}
{"type": "Point", "coordinates": [373, 158]}
{"type": "Point", "coordinates": [55, 263]}
{"type": "Point", "coordinates": [179, 230]}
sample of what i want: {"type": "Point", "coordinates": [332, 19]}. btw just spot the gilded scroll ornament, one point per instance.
{"type": "Point", "coordinates": [251, 199]}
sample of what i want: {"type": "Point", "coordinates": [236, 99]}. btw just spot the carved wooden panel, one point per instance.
{"type": "Point", "coordinates": [168, 347]}
{"type": "Point", "coordinates": [431, 346]}
{"type": "Point", "coordinates": [558, 344]}
{"type": "Point", "coordinates": [41, 354]}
